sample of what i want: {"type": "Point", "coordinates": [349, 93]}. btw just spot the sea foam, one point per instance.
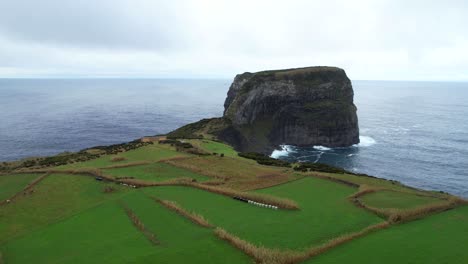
{"type": "Point", "coordinates": [365, 141]}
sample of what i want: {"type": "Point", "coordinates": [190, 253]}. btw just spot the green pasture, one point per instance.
{"type": "Point", "coordinates": [154, 172]}
{"type": "Point", "coordinates": [103, 234]}
{"type": "Point", "coordinates": [436, 239]}
{"type": "Point", "coordinates": [12, 184]}
{"type": "Point", "coordinates": [325, 213]}
{"type": "Point", "coordinates": [391, 199]}
{"type": "Point", "coordinates": [153, 152]}
{"type": "Point", "coordinates": [181, 240]}
{"type": "Point", "coordinates": [54, 198]}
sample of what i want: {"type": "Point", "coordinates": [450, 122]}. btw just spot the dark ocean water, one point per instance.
{"type": "Point", "coordinates": [413, 132]}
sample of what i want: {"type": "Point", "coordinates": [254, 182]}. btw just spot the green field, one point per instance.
{"type": "Point", "coordinates": [436, 239]}
{"type": "Point", "coordinates": [324, 213]}
{"type": "Point", "coordinates": [103, 234]}
{"type": "Point", "coordinates": [11, 184]}
{"type": "Point", "coordinates": [75, 217]}
{"type": "Point", "coordinates": [56, 197]}
{"type": "Point", "coordinates": [154, 152]}
{"type": "Point", "coordinates": [155, 172]}
{"type": "Point", "coordinates": [390, 199]}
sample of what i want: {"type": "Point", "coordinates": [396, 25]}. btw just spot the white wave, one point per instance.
{"type": "Point", "coordinates": [365, 141]}
{"type": "Point", "coordinates": [318, 157]}
{"type": "Point", "coordinates": [321, 148]}
{"type": "Point", "coordinates": [350, 155]}
{"type": "Point", "coordinates": [283, 151]}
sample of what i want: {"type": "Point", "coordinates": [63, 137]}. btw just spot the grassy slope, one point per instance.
{"type": "Point", "coordinates": [12, 184]}
{"type": "Point", "coordinates": [181, 240]}
{"type": "Point", "coordinates": [155, 172]}
{"type": "Point", "coordinates": [154, 152]}
{"type": "Point", "coordinates": [437, 239]}
{"type": "Point", "coordinates": [240, 174]}
{"type": "Point", "coordinates": [103, 234]}
{"type": "Point", "coordinates": [55, 198]}
{"type": "Point", "coordinates": [215, 147]}
{"type": "Point", "coordinates": [390, 199]}
{"type": "Point", "coordinates": [324, 213]}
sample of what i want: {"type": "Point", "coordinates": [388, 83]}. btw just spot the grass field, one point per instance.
{"type": "Point", "coordinates": [11, 184]}
{"type": "Point", "coordinates": [215, 147]}
{"type": "Point", "coordinates": [237, 173]}
{"type": "Point", "coordinates": [155, 172]}
{"type": "Point", "coordinates": [102, 234]}
{"type": "Point", "coordinates": [181, 240]}
{"type": "Point", "coordinates": [325, 213]}
{"type": "Point", "coordinates": [436, 239]}
{"type": "Point", "coordinates": [153, 152]}
{"type": "Point", "coordinates": [75, 218]}
{"type": "Point", "coordinates": [54, 198]}
{"type": "Point", "coordinates": [390, 199]}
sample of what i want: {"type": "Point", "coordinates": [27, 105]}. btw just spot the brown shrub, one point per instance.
{"type": "Point", "coordinates": [363, 190]}
{"type": "Point", "coordinates": [129, 164]}
{"type": "Point", "coordinates": [401, 216]}
{"type": "Point", "coordinates": [118, 158]}
{"type": "Point", "coordinates": [260, 254]}
{"type": "Point", "coordinates": [108, 189]}
{"type": "Point", "coordinates": [196, 218]}
{"type": "Point", "coordinates": [140, 226]}
{"type": "Point", "coordinates": [314, 251]}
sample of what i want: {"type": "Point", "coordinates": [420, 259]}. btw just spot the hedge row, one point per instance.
{"type": "Point", "coordinates": [264, 159]}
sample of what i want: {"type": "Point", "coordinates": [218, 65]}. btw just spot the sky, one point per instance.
{"type": "Point", "coordinates": [370, 39]}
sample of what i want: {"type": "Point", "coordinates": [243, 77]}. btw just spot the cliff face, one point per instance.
{"type": "Point", "coordinates": [306, 106]}
{"type": "Point", "coordinates": [303, 107]}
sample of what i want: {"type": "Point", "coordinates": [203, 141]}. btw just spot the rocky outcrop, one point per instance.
{"type": "Point", "coordinates": [303, 107]}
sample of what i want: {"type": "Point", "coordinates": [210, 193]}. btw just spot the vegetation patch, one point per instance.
{"type": "Point", "coordinates": [236, 173]}
{"type": "Point", "coordinates": [99, 234]}
{"type": "Point", "coordinates": [154, 172]}
{"type": "Point", "coordinates": [264, 159]}
{"type": "Point", "coordinates": [140, 225]}
{"type": "Point", "coordinates": [118, 158]}
{"type": "Point", "coordinates": [12, 184]}
{"type": "Point", "coordinates": [324, 213]}
{"type": "Point", "coordinates": [196, 218]}
{"type": "Point", "coordinates": [55, 198]}
{"type": "Point", "coordinates": [436, 239]}
{"type": "Point", "coordinates": [399, 200]}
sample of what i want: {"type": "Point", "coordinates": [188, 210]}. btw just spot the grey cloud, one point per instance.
{"type": "Point", "coordinates": [102, 24]}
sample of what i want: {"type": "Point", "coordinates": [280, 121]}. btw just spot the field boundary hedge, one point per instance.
{"type": "Point", "coordinates": [140, 225]}
{"type": "Point", "coordinates": [25, 189]}
{"type": "Point", "coordinates": [195, 218]}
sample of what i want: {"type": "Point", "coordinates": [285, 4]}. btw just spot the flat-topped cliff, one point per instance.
{"type": "Point", "coordinates": [303, 107]}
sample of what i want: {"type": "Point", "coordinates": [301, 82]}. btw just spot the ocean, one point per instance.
{"type": "Point", "coordinates": [412, 132]}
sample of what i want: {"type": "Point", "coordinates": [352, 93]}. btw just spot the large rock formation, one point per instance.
{"type": "Point", "coordinates": [303, 107]}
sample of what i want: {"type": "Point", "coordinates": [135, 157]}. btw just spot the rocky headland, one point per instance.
{"type": "Point", "coordinates": [302, 107]}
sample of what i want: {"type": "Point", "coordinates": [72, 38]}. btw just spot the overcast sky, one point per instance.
{"type": "Point", "coordinates": [371, 40]}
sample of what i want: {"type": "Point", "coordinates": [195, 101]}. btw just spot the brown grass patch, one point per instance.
{"type": "Point", "coordinates": [363, 190]}
{"type": "Point", "coordinates": [195, 218]}
{"type": "Point", "coordinates": [118, 158]}
{"type": "Point", "coordinates": [259, 254]}
{"type": "Point", "coordinates": [1, 259]}
{"type": "Point", "coordinates": [125, 165]}
{"type": "Point", "coordinates": [401, 216]}
{"type": "Point", "coordinates": [140, 226]}
{"type": "Point", "coordinates": [238, 174]}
